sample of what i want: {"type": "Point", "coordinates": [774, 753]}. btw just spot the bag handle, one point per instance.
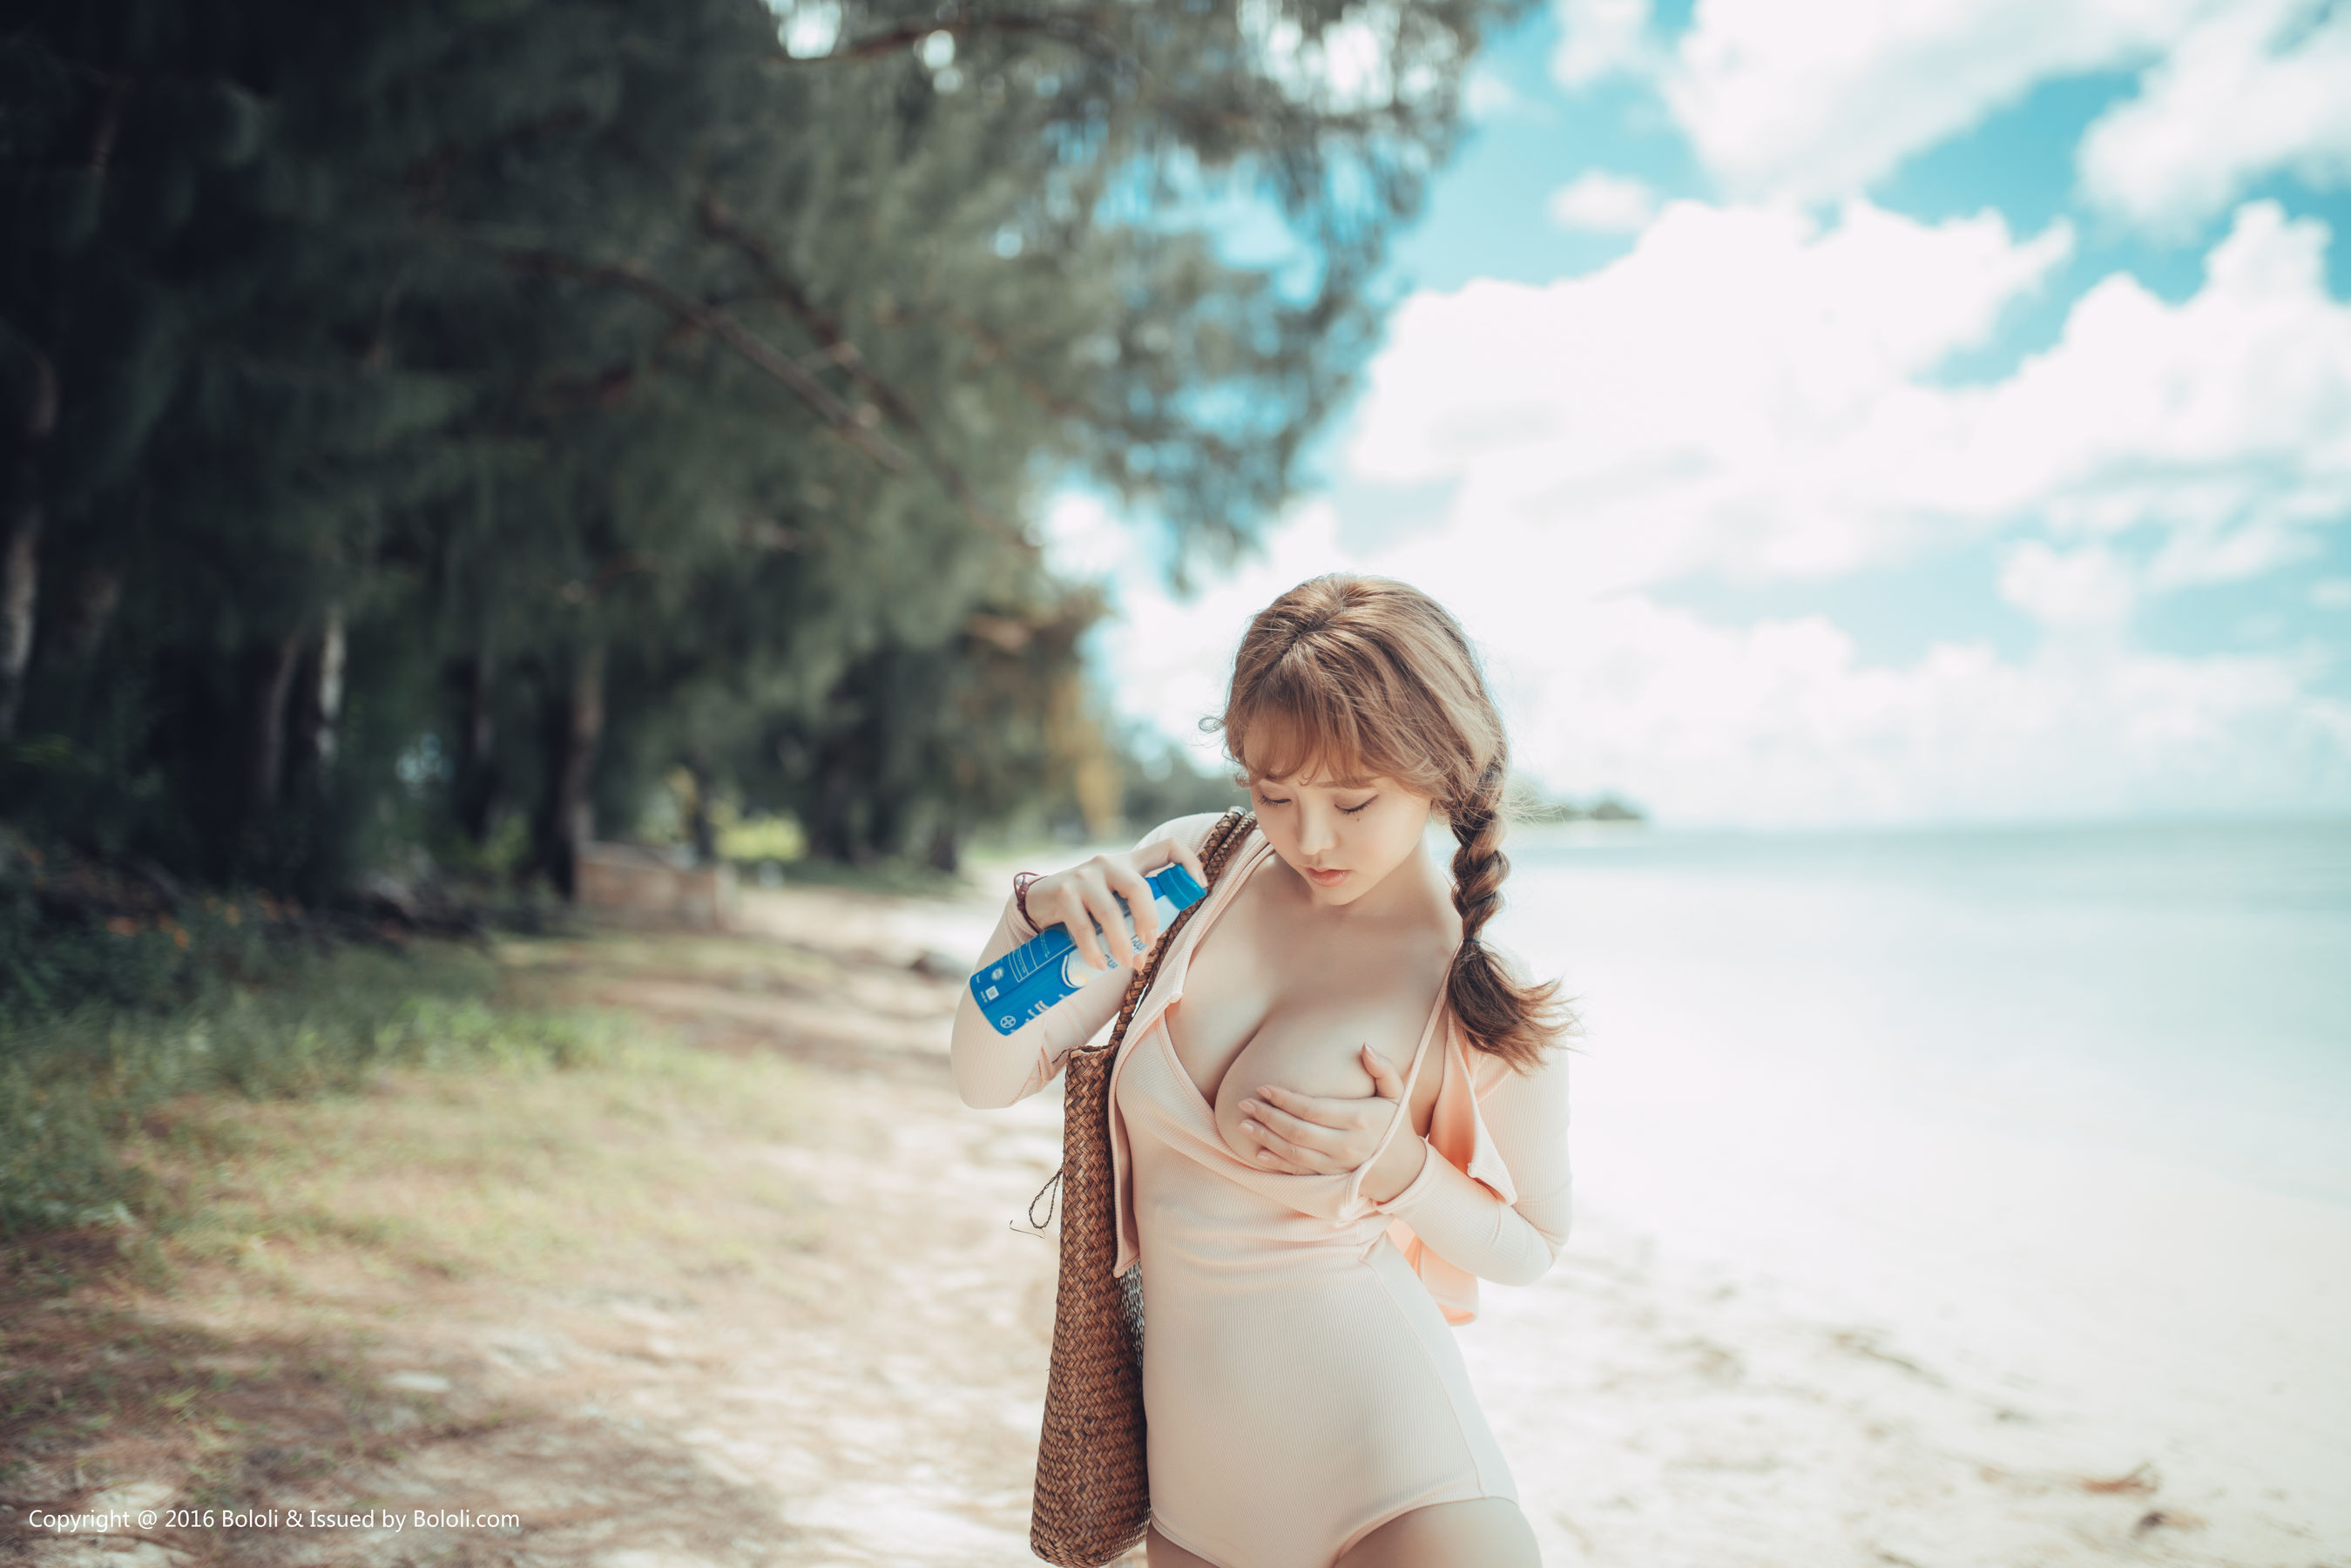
{"type": "Point", "coordinates": [1216, 850]}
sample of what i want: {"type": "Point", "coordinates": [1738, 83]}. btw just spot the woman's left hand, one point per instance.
{"type": "Point", "coordinates": [1310, 1134]}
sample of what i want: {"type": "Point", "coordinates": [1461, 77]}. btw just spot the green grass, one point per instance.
{"type": "Point", "coordinates": [295, 1168]}
{"type": "Point", "coordinates": [293, 1021]}
{"type": "Point", "coordinates": [497, 1168]}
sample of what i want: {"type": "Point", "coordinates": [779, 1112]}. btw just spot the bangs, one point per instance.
{"type": "Point", "coordinates": [1278, 746]}
{"type": "Point", "coordinates": [1300, 723]}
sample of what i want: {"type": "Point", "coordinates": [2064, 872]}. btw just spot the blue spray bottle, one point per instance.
{"type": "Point", "coordinates": [1048, 966]}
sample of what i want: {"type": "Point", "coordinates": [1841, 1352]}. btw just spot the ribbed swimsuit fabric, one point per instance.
{"type": "Point", "coordinates": [1300, 1387]}
{"type": "Point", "coordinates": [1300, 1381]}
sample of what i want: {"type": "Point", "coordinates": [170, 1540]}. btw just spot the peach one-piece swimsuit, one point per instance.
{"type": "Point", "coordinates": [1301, 1386]}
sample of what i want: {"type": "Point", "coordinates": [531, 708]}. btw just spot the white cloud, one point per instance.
{"type": "Point", "coordinates": [1781, 723]}
{"type": "Point", "coordinates": [1817, 100]}
{"type": "Point", "coordinates": [2222, 424]}
{"type": "Point", "coordinates": [2089, 589]}
{"type": "Point", "coordinates": [1084, 539]}
{"type": "Point", "coordinates": [1169, 661]}
{"type": "Point", "coordinates": [1740, 391]}
{"type": "Point", "coordinates": [1603, 204]}
{"type": "Point", "coordinates": [2262, 87]}
{"type": "Point", "coordinates": [1599, 39]}
{"type": "Point", "coordinates": [1748, 395]}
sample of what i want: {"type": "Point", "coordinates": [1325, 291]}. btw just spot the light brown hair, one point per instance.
{"type": "Point", "coordinates": [1361, 677]}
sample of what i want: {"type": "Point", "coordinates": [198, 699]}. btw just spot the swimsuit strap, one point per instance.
{"type": "Point", "coordinates": [1412, 1076]}
{"type": "Point", "coordinates": [1428, 1032]}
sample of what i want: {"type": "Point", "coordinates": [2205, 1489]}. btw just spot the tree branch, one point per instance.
{"type": "Point", "coordinates": [723, 326]}
{"type": "Point", "coordinates": [835, 346]}
{"type": "Point", "coordinates": [994, 346]}
{"type": "Point", "coordinates": [109, 120]}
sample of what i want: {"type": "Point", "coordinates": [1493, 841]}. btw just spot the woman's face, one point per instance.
{"type": "Point", "coordinates": [1343, 839]}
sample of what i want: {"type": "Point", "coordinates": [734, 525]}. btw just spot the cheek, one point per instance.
{"type": "Point", "coordinates": [1395, 836]}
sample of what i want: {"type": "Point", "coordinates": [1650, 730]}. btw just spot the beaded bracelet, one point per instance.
{"type": "Point", "coordinates": [1020, 883]}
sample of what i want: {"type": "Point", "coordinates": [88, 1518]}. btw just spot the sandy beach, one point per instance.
{"type": "Point", "coordinates": [1711, 1376]}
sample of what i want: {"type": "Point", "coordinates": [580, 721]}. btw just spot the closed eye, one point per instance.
{"type": "Point", "coordinates": [1351, 811]}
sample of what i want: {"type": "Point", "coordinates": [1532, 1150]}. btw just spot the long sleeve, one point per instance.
{"type": "Point", "coordinates": [993, 1070]}
{"type": "Point", "coordinates": [1468, 1223]}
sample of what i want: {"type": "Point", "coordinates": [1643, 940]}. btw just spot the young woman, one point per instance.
{"type": "Point", "coordinates": [1333, 1108]}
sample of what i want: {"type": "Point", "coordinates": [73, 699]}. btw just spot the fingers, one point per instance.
{"type": "Point", "coordinates": [1293, 1131]}
{"type": "Point", "coordinates": [1088, 896]}
{"type": "Point", "coordinates": [1068, 909]}
{"type": "Point", "coordinates": [1078, 900]}
{"type": "Point", "coordinates": [1102, 909]}
{"type": "Point", "coordinates": [1121, 877]}
{"type": "Point", "coordinates": [1347, 1115]}
{"type": "Point", "coordinates": [1387, 1082]}
{"type": "Point", "coordinates": [1176, 851]}
{"type": "Point", "coordinates": [1276, 1152]}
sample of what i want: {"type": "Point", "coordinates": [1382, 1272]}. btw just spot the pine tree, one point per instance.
{"type": "Point", "coordinates": [567, 392]}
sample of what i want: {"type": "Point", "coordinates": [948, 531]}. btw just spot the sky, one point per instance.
{"type": "Point", "coordinates": [1828, 413]}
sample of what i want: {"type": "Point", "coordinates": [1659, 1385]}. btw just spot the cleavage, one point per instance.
{"type": "Point", "coordinates": [1231, 992]}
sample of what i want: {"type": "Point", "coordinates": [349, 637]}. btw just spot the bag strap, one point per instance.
{"type": "Point", "coordinates": [1214, 851]}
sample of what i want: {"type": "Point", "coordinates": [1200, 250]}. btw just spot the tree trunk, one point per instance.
{"type": "Point", "coordinates": [886, 822]}
{"type": "Point", "coordinates": [568, 821]}
{"type": "Point", "coordinates": [20, 568]}
{"type": "Point", "coordinates": [20, 560]}
{"type": "Point", "coordinates": [267, 765]}
{"type": "Point", "coordinates": [477, 795]}
{"type": "Point", "coordinates": [95, 598]}
{"type": "Point", "coordinates": [833, 835]}
{"type": "Point", "coordinates": [699, 827]}
{"type": "Point", "coordinates": [946, 849]}
{"type": "Point", "coordinates": [325, 707]}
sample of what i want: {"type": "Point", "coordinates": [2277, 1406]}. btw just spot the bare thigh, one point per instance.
{"type": "Point", "coordinates": [1487, 1533]}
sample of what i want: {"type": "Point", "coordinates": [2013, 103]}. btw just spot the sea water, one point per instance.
{"type": "Point", "coordinates": [2060, 1115]}
{"type": "Point", "coordinates": [2183, 991]}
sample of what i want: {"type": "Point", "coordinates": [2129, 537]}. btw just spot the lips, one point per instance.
{"type": "Point", "coordinates": [1325, 878]}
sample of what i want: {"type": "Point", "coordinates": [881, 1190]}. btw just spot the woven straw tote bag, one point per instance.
{"type": "Point", "coordinates": [1093, 1493]}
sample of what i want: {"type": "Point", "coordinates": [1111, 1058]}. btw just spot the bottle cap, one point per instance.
{"type": "Point", "coordinates": [1176, 886]}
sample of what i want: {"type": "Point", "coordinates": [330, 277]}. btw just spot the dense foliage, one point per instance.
{"type": "Point", "coordinates": [433, 422]}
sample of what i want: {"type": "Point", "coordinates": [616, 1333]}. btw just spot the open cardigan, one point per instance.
{"type": "Point", "coordinates": [1491, 1202]}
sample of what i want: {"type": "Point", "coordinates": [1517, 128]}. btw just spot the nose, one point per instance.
{"type": "Point", "coordinates": [1318, 829]}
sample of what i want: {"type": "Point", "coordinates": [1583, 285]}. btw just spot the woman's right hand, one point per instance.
{"type": "Point", "coordinates": [1087, 895]}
